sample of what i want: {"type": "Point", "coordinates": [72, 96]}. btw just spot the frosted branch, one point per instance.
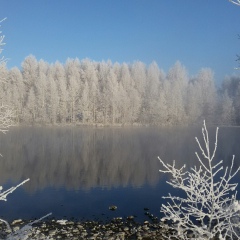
{"type": "Point", "coordinates": [7, 118]}
{"type": "Point", "coordinates": [1, 42]}
{"type": "Point", "coordinates": [209, 199]}
{"type": "Point", "coordinates": [237, 2]}
{"type": "Point", "coordinates": [3, 195]}
{"type": "Point", "coordinates": [24, 231]}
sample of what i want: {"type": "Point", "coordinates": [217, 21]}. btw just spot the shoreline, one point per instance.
{"type": "Point", "coordinates": [117, 228]}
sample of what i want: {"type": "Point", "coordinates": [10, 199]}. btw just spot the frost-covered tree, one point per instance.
{"type": "Point", "coordinates": [4, 82]}
{"type": "Point", "coordinates": [227, 110]}
{"type": "Point", "coordinates": [230, 87]}
{"type": "Point", "coordinates": [52, 99]}
{"type": "Point", "coordinates": [30, 107]}
{"type": "Point", "coordinates": [107, 94]}
{"type": "Point", "coordinates": [89, 75]}
{"type": "Point", "coordinates": [61, 82]}
{"type": "Point", "coordinates": [176, 89]}
{"type": "Point", "coordinates": [102, 96]}
{"type": "Point", "coordinates": [74, 88]}
{"type": "Point", "coordinates": [40, 87]}
{"type": "Point", "coordinates": [154, 104]}
{"type": "Point", "coordinates": [193, 103]}
{"type": "Point", "coordinates": [126, 81]}
{"type": "Point", "coordinates": [237, 104]}
{"type": "Point", "coordinates": [84, 103]}
{"type": "Point", "coordinates": [7, 114]}
{"type": "Point", "coordinates": [29, 71]}
{"type": "Point", "coordinates": [131, 103]}
{"type": "Point", "coordinates": [207, 94]}
{"type": "Point", "coordinates": [230, 84]}
{"type": "Point", "coordinates": [138, 73]}
{"type": "Point", "coordinates": [208, 206]}
{"type": "Point", "coordinates": [17, 92]}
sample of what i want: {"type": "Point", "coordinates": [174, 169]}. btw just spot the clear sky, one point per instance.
{"type": "Point", "coordinates": [198, 33]}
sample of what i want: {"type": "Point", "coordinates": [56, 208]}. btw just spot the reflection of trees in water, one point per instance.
{"type": "Point", "coordinates": [83, 158]}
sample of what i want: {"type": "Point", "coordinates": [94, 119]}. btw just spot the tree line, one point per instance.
{"type": "Point", "coordinates": [106, 93]}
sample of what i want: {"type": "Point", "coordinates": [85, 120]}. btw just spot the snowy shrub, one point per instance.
{"type": "Point", "coordinates": [209, 208]}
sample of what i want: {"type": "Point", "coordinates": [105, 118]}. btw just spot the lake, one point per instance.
{"type": "Point", "coordinates": [78, 172]}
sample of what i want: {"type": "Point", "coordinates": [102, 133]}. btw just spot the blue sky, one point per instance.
{"type": "Point", "coordinates": [198, 33]}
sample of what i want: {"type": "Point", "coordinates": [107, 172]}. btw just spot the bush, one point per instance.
{"type": "Point", "coordinates": [208, 208]}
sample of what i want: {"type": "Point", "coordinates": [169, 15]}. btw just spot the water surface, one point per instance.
{"type": "Point", "coordinates": [78, 172]}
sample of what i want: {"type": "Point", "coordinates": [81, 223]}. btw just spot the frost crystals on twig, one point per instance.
{"type": "Point", "coordinates": [237, 2]}
{"type": "Point", "coordinates": [209, 207]}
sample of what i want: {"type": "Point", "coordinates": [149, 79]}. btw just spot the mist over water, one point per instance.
{"type": "Point", "coordinates": [79, 171]}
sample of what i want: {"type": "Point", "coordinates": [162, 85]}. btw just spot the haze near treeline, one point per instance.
{"type": "Point", "coordinates": [106, 93]}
